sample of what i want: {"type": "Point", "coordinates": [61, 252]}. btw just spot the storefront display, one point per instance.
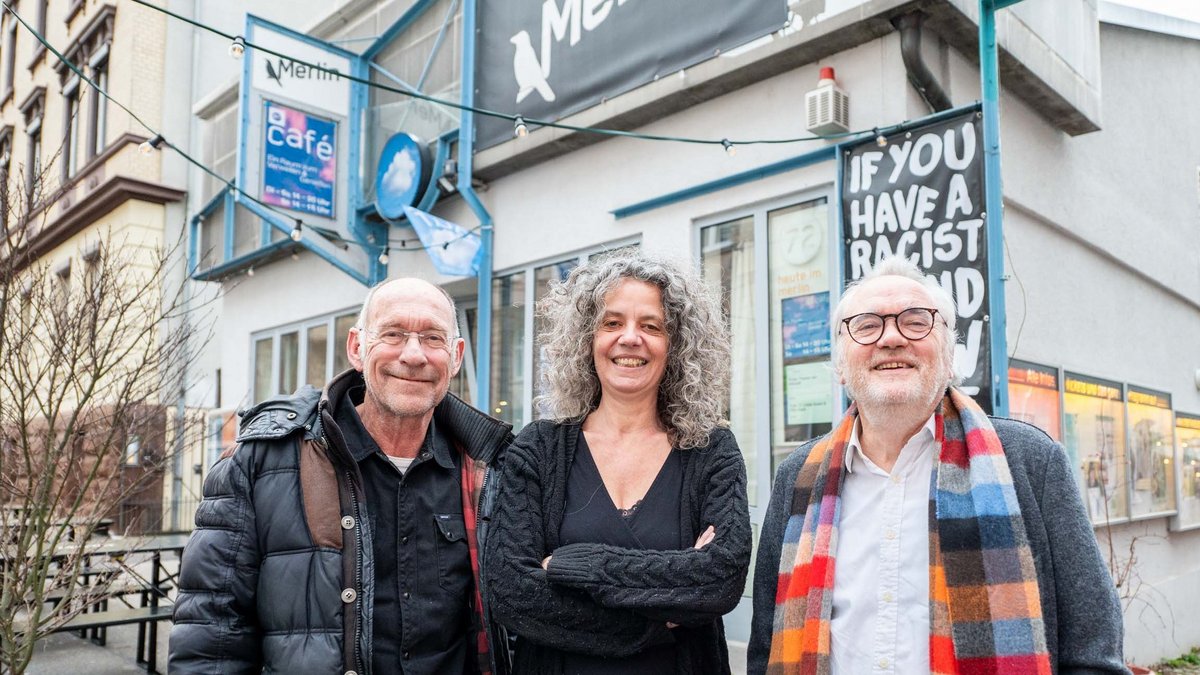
{"type": "Point", "coordinates": [1094, 432]}
{"type": "Point", "coordinates": [1151, 448]}
{"type": "Point", "coordinates": [1033, 397]}
{"type": "Point", "coordinates": [1187, 444]}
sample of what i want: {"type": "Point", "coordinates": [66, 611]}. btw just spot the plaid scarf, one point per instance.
{"type": "Point", "coordinates": [985, 609]}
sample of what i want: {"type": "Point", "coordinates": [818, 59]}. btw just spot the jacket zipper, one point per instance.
{"type": "Point", "coordinates": [357, 577]}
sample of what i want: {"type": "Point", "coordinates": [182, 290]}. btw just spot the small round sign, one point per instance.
{"type": "Point", "coordinates": [403, 174]}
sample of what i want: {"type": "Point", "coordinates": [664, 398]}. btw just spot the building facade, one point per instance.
{"type": "Point", "coordinates": [1100, 222]}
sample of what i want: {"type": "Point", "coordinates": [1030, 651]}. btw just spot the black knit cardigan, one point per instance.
{"type": "Point", "coordinates": [606, 600]}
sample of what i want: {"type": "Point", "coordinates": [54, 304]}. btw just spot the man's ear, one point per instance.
{"type": "Point", "coordinates": [460, 347]}
{"type": "Point", "coordinates": [353, 348]}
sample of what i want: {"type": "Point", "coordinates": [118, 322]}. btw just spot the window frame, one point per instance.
{"type": "Point", "coordinates": [760, 213]}
{"type": "Point", "coordinates": [529, 270]}
{"type": "Point", "coordinates": [275, 334]}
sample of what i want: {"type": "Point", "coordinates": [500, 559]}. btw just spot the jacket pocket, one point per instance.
{"type": "Point", "coordinates": [453, 556]}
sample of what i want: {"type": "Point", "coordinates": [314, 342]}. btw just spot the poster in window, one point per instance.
{"type": "Point", "coordinates": [1033, 396]}
{"type": "Point", "coordinates": [1187, 441]}
{"type": "Point", "coordinates": [299, 160]}
{"type": "Point", "coordinates": [806, 325]}
{"type": "Point", "coordinates": [1094, 432]}
{"type": "Point", "coordinates": [1151, 452]}
{"type": "Point", "coordinates": [921, 195]}
{"type": "Point", "coordinates": [806, 394]}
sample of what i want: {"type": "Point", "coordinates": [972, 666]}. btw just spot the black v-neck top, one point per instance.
{"type": "Point", "coordinates": [653, 524]}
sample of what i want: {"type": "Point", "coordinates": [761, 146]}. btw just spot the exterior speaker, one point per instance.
{"type": "Point", "coordinates": [827, 108]}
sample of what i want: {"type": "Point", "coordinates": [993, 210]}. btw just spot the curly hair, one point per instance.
{"type": "Point", "coordinates": [694, 390]}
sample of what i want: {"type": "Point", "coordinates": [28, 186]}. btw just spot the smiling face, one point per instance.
{"type": "Point", "coordinates": [630, 346]}
{"type": "Point", "coordinates": [895, 371]}
{"type": "Point", "coordinates": [405, 380]}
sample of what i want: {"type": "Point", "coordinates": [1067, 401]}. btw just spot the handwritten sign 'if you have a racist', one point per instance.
{"type": "Point", "coordinates": [922, 196]}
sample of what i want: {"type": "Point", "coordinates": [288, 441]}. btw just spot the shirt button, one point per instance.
{"type": "Point", "coordinates": [403, 540]}
{"type": "Point", "coordinates": [347, 522]}
{"type": "Point", "coordinates": [887, 597]}
{"type": "Point", "coordinates": [406, 655]}
{"type": "Point", "coordinates": [896, 478]}
{"type": "Point", "coordinates": [890, 534]}
{"type": "Point", "coordinates": [406, 594]}
{"type": "Point", "coordinates": [883, 663]}
{"type": "Point", "coordinates": [348, 595]}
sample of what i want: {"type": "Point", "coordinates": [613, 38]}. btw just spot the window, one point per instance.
{"type": "Point", "coordinates": [515, 361]}
{"type": "Point", "coordinates": [31, 110]}
{"type": "Point", "coordinates": [288, 356]}
{"type": "Point", "coordinates": [1151, 450]}
{"type": "Point", "coordinates": [5, 168]}
{"type": "Point", "coordinates": [10, 48]}
{"type": "Point", "coordinates": [40, 24]}
{"type": "Point", "coordinates": [1033, 396]}
{"type": "Point", "coordinates": [1094, 435]}
{"type": "Point", "coordinates": [70, 150]}
{"type": "Point", "coordinates": [98, 112]}
{"type": "Point", "coordinates": [771, 268]}
{"type": "Point", "coordinates": [133, 451]}
{"type": "Point", "coordinates": [1187, 442]}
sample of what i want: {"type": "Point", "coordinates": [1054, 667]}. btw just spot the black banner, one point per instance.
{"type": "Point", "coordinates": [921, 195]}
{"type": "Point", "coordinates": [549, 59]}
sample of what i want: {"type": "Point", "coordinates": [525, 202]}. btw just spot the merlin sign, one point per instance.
{"type": "Point", "coordinates": [548, 59]}
{"type": "Point", "coordinates": [921, 195]}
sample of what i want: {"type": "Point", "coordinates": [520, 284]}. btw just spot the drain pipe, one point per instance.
{"type": "Point", "coordinates": [918, 71]}
{"type": "Point", "coordinates": [466, 163]}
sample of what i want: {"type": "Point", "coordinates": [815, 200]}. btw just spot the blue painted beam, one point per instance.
{"type": "Point", "coordinates": [989, 75]}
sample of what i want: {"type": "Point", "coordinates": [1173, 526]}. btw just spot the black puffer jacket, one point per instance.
{"type": "Point", "coordinates": [278, 575]}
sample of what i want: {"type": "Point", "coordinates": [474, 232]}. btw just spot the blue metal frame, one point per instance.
{"type": "Point", "coordinates": [388, 36]}
{"type": "Point", "coordinates": [232, 199]}
{"type": "Point", "coordinates": [989, 75]}
{"type": "Point", "coordinates": [466, 163]}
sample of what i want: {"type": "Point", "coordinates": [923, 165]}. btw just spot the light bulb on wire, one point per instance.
{"type": "Point", "coordinates": [237, 47]}
{"type": "Point", "coordinates": [881, 141]}
{"type": "Point", "coordinates": [383, 257]}
{"type": "Point", "coordinates": [151, 145]}
{"type": "Point", "coordinates": [729, 147]}
{"type": "Point", "coordinates": [520, 129]}
{"type": "Point", "coordinates": [297, 234]}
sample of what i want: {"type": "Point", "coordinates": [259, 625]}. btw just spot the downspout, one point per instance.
{"type": "Point", "coordinates": [466, 165]}
{"type": "Point", "coordinates": [919, 75]}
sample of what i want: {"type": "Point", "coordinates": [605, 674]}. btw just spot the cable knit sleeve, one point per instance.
{"type": "Point", "coordinates": [519, 594]}
{"type": "Point", "coordinates": [688, 586]}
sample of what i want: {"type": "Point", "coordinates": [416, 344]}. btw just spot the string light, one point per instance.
{"type": "Point", "coordinates": [728, 145]}
{"type": "Point", "coordinates": [297, 233]}
{"type": "Point", "coordinates": [880, 139]}
{"type": "Point", "coordinates": [151, 145]}
{"type": "Point", "coordinates": [237, 47]}
{"type": "Point", "coordinates": [250, 272]}
{"type": "Point", "coordinates": [520, 130]}
{"type": "Point", "coordinates": [383, 257]}
{"type": "Point", "coordinates": [295, 254]}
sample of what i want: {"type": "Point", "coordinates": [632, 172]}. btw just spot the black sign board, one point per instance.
{"type": "Point", "coordinates": [545, 59]}
{"type": "Point", "coordinates": [921, 195]}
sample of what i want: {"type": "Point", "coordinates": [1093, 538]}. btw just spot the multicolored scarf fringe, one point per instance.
{"type": "Point", "coordinates": [984, 605]}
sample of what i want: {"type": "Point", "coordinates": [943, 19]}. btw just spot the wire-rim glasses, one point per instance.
{"type": "Point", "coordinates": [431, 340]}
{"type": "Point", "coordinates": [914, 323]}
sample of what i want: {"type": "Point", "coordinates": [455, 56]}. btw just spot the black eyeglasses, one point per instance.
{"type": "Point", "coordinates": [914, 323]}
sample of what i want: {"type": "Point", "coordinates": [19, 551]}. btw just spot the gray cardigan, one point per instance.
{"type": "Point", "coordinates": [1082, 614]}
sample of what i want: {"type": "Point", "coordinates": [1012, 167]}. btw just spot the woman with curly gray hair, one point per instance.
{"type": "Point", "coordinates": [621, 534]}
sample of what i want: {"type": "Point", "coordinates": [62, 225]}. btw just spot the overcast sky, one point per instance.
{"type": "Point", "coordinates": [1188, 9]}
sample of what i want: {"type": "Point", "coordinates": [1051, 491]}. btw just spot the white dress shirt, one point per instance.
{"type": "Point", "coordinates": [881, 582]}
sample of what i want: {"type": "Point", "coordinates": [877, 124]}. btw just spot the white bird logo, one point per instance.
{"type": "Point", "coordinates": [530, 74]}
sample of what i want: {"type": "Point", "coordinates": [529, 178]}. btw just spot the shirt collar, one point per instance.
{"type": "Point", "coordinates": [360, 443]}
{"type": "Point", "coordinates": [925, 435]}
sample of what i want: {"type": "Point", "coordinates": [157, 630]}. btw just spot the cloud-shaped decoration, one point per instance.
{"type": "Point", "coordinates": [399, 176]}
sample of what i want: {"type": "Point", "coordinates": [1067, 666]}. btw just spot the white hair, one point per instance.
{"type": "Point", "coordinates": [897, 266]}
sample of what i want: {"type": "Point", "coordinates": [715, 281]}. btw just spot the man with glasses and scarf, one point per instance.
{"type": "Point", "coordinates": [921, 535]}
{"type": "Point", "coordinates": [342, 534]}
